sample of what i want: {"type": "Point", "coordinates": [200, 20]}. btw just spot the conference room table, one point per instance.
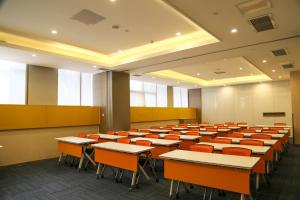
{"type": "Point", "coordinates": [108, 137]}
{"type": "Point", "coordinates": [137, 134]}
{"type": "Point", "coordinates": [266, 126]}
{"type": "Point", "coordinates": [179, 128]}
{"type": "Point", "coordinates": [159, 131]}
{"type": "Point", "coordinates": [186, 140]}
{"type": "Point", "coordinates": [205, 135]}
{"type": "Point", "coordinates": [211, 170]}
{"type": "Point", "coordinates": [76, 147]}
{"type": "Point", "coordinates": [121, 156]}
{"type": "Point", "coordinates": [161, 145]}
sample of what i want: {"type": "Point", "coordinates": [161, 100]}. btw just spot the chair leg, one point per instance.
{"type": "Point", "coordinates": [204, 194]}
{"type": "Point", "coordinates": [177, 190]}
{"type": "Point", "coordinates": [210, 194]}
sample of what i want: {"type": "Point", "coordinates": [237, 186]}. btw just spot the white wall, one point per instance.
{"type": "Point", "coordinates": [247, 103]}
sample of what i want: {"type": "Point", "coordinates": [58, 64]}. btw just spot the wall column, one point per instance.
{"type": "Point", "coordinates": [195, 102]}
{"type": "Point", "coordinates": [112, 94]}
{"type": "Point", "coordinates": [295, 94]}
{"type": "Point", "coordinates": [170, 96]}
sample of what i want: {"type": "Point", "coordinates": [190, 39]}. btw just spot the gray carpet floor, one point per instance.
{"type": "Point", "coordinates": [43, 180]}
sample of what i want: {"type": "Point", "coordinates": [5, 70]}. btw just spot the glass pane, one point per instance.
{"type": "Point", "coordinates": [162, 95]}
{"type": "Point", "coordinates": [86, 89]}
{"type": "Point", "coordinates": [176, 97]}
{"type": "Point", "coordinates": [68, 87]}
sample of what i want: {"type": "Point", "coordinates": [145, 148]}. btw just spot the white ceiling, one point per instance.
{"type": "Point", "coordinates": [144, 20]}
{"type": "Point", "coordinates": [217, 17]}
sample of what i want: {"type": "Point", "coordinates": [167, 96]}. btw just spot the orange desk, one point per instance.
{"type": "Point", "coordinates": [74, 146]}
{"type": "Point", "coordinates": [123, 156]}
{"type": "Point", "coordinates": [224, 172]}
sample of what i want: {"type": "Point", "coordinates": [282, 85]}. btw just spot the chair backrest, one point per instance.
{"type": "Point", "coordinates": [145, 131]}
{"type": "Point", "coordinates": [94, 137]}
{"type": "Point", "coordinates": [146, 143]}
{"type": "Point", "coordinates": [242, 123]}
{"type": "Point", "coordinates": [229, 123]}
{"type": "Point", "coordinates": [170, 125]}
{"type": "Point", "coordinates": [175, 132]}
{"type": "Point", "coordinates": [124, 140]}
{"type": "Point", "coordinates": [261, 136]}
{"type": "Point", "coordinates": [252, 142]}
{"type": "Point", "coordinates": [82, 135]}
{"type": "Point", "coordinates": [172, 137]}
{"type": "Point", "coordinates": [236, 151]}
{"type": "Point", "coordinates": [270, 131]}
{"type": "Point", "coordinates": [110, 132]}
{"type": "Point", "coordinates": [202, 148]}
{"type": "Point", "coordinates": [218, 124]}
{"type": "Point", "coordinates": [205, 122]}
{"type": "Point", "coordinates": [248, 131]}
{"type": "Point", "coordinates": [156, 136]}
{"type": "Point", "coordinates": [194, 123]}
{"type": "Point", "coordinates": [220, 140]}
{"type": "Point", "coordinates": [256, 128]}
{"type": "Point", "coordinates": [279, 124]}
{"type": "Point", "coordinates": [276, 128]}
{"type": "Point", "coordinates": [193, 133]}
{"type": "Point", "coordinates": [235, 135]}
{"type": "Point", "coordinates": [123, 133]}
{"type": "Point", "coordinates": [133, 130]}
{"type": "Point", "coordinates": [155, 127]}
{"type": "Point", "coordinates": [193, 129]}
{"type": "Point", "coordinates": [182, 125]}
{"type": "Point", "coordinates": [211, 129]}
{"type": "Point", "coordinates": [167, 128]}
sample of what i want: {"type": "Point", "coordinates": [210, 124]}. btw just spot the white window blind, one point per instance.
{"type": "Point", "coordinates": [68, 87]}
{"type": "Point", "coordinates": [180, 97]}
{"type": "Point", "coordinates": [145, 94]}
{"type": "Point", "coordinates": [12, 82]}
{"type": "Point", "coordinates": [86, 89]}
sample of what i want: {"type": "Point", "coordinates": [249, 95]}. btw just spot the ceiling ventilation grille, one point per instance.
{"type": "Point", "coordinates": [137, 75]}
{"type": "Point", "coordinates": [287, 66]}
{"type": "Point", "coordinates": [279, 52]}
{"type": "Point", "coordinates": [220, 72]}
{"type": "Point", "coordinates": [263, 23]}
{"type": "Point", "coordinates": [88, 17]}
{"type": "Point", "coordinates": [252, 6]}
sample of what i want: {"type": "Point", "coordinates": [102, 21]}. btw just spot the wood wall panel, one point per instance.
{"type": "Point", "coordinates": [33, 116]}
{"type": "Point", "coordinates": [148, 114]}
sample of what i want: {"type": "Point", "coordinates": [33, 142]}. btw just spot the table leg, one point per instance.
{"type": "Point", "coordinates": [80, 162]}
{"type": "Point", "coordinates": [242, 197]}
{"type": "Point", "coordinates": [133, 181]}
{"type": "Point", "coordinates": [171, 189]}
{"type": "Point", "coordinates": [257, 181]}
{"type": "Point", "coordinates": [144, 172]}
{"type": "Point", "coordinates": [59, 159]}
{"type": "Point", "coordinates": [89, 158]}
{"type": "Point", "coordinates": [98, 170]}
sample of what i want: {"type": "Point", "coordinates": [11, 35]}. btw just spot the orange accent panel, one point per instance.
{"type": "Point", "coordinates": [229, 179]}
{"type": "Point", "coordinates": [70, 149]}
{"type": "Point", "coordinates": [117, 159]}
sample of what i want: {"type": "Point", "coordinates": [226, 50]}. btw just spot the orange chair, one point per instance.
{"type": "Point", "coordinates": [124, 140]}
{"type": "Point", "coordinates": [230, 123]}
{"type": "Point", "coordinates": [237, 151]}
{"type": "Point", "coordinates": [194, 123]}
{"type": "Point", "coordinates": [211, 129]}
{"type": "Point", "coordinates": [261, 136]}
{"type": "Point", "coordinates": [167, 128]}
{"type": "Point", "coordinates": [270, 131]}
{"type": "Point", "coordinates": [248, 131]}
{"type": "Point", "coordinates": [242, 123]}
{"type": "Point", "coordinates": [170, 125]}
{"type": "Point", "coordinates": [279, 124]}
{"type": "Point", "coordinates": [256, 128]}
{"type": "Point", "coordinates": [205, 123]}
{"type": "Point", "coordinates": [133, 130]}
{"type": "Point", "coordinates": [252, 142]}
{"type": "Point", "coordinates": [172, 137]}
{"type": "Point", "coordinates": [193, 133]}
{"type": "Point", "coordinates": [235, 135]}
{"type": "Point", "coordinates": [193, 129]}
{"type": "Point", "coordinates": [146, 143]}
{"type": "Point", "coordinates": [155, 136]}
{"type": "Point", "coordinates": [220, 140]}
{"type": "Point", "coordinates": [94, 137]}
{"type": "Point", "coordinates": [82, 135]}
{"type": "Point", "coordinates": [175, 133]}
{"type": "Point", "coordinates": [145, 131]}
{"type": "Point", "coordinates": [276, 129]}
{"type": "Point", "coordinates": [182, 125]}
{"type": "Point", "coordinates": [202, 148]}
{"type": "Point", "coordinates": [110, 132]}
{"type": "Point", "coordinates": [123, 133]}
{"type": "Point", "coordinates": [218, 124]}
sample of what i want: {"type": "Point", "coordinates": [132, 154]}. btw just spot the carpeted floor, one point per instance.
{"type": "Point", "coordinates": [44, 180]}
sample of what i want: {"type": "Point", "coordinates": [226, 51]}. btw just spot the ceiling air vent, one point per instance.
{"type": "Point", "coordinates": [279, 52]}
{"type": "Point", "coordinates": [88, 17]}
{"type": "Point", "coordinates": [220, 72]}
{"type": "Point", "coordinates": [137, 75]}
{"type": "Point", "coordinates": [287, 66]}
{"type": "Point", "coordinates": [252, 6]}
{"type": "Point", "coordinates": [263, 23]}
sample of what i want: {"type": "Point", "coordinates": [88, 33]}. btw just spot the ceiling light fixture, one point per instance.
{"type": "Point", "coordinates": [234, 30]}
{"type": "Point", "coordinates": [273, 70]}
{"type": "Point", "coordinates": [178, 34]}
{"type": "Point", "coordinates": [54, 32]}
{"type": "Point", "coordinates": [153, 77]}
{"type": "Point", "coordinates": [120, 51]}
{"type": "Point", "coordinates": [279, 77]}
{"type": "Point", "coordinates": [112, 0]}
{"type": "Point", "coordinates": [94, 66]}
{"type": "Point", "coordinates": [241, 68]}
{"type": "Point", "coordinates": [264, 61]}
{"type": "Point", "coordinates": [198, 74]}
{"type": "Point", "coordinates": [33, 55]}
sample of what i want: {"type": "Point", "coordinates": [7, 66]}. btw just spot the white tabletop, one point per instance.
{"type": "Point", "coordinates": [266, 142]}
{"type": "Point", "coordinates": [274, 126]}
{"type": "Point", "coordinates": [139, 134]}
{"type": "Point", "coordinates": [243, 125]}
{"type": "Point", "coordinates": [159, 131]}
{"type": "Point", "coordinates": [121, 147]}
{"type": "Point", "coordinates": [161, 142]}
{"type": "Point", "coordinates": [224, 129]}
{"type": "Point", "coordinates": [75, 140]}
{"type": "Point", "coordinates": [179, 128]}
{"type": "Point", "coordinates": [272, 135]}
{"type": "Point", "coordinates": [254, 149]}
{"type": "Point", "coordinates": [110, 137]}
{"type": "Point", "coordinates": [183, 137]}
{"type": "Point", "coordinates": [205, 133]}
{"type": "Point", "coordinates": [241, 162]}
{"type": "Point", "coordinates": [285, 131]}
{"type": "Point", "coordinates": [193, 126]}
{"type": "Point", "coordinates": [234, 127]}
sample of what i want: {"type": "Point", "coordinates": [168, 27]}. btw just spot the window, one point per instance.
{"type": "Point", "coordinates": [180, 97]}
{"type": "Point", "coordinates": [75, 88]}
{"type": "Point", "coordinates": [147, 94]}
{"type": "Point", "coordinates": [12, 82]}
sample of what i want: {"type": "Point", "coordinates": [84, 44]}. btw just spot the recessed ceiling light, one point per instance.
{"type": "Point", "coordinates": [198, 74]}
{"type": "Point", "coordinates": [94, 66]}
{"type": "Point", "coordinates": [178, 34]}
{"type": "Point", "coordinates": [241, 68]}
{"type": "Point", "coordinates": [273, 70]}
{"type": "Point", "coordinates": [279, 77]}
{"type": "Point", "coordinates": [112, 0]}
{"type": "Point", "coordinates": [251, 74]}
{"type": "Point", "coordinates": [54, 32]}
{"type": "Point", "coordinates": [264, 61]}
{"type": "Point", "coordinates": [178, 82]}
{"type": "Point", "coordinates": [224, 85]}
{"type": "Point", "coordinates": [153, 77]}
{"type": "Point", "coordinates": [120, 51]}
{"type": "Point", "coordinates": [234, 30]}
{"type": "Point", "coordinates": [33, 55]}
